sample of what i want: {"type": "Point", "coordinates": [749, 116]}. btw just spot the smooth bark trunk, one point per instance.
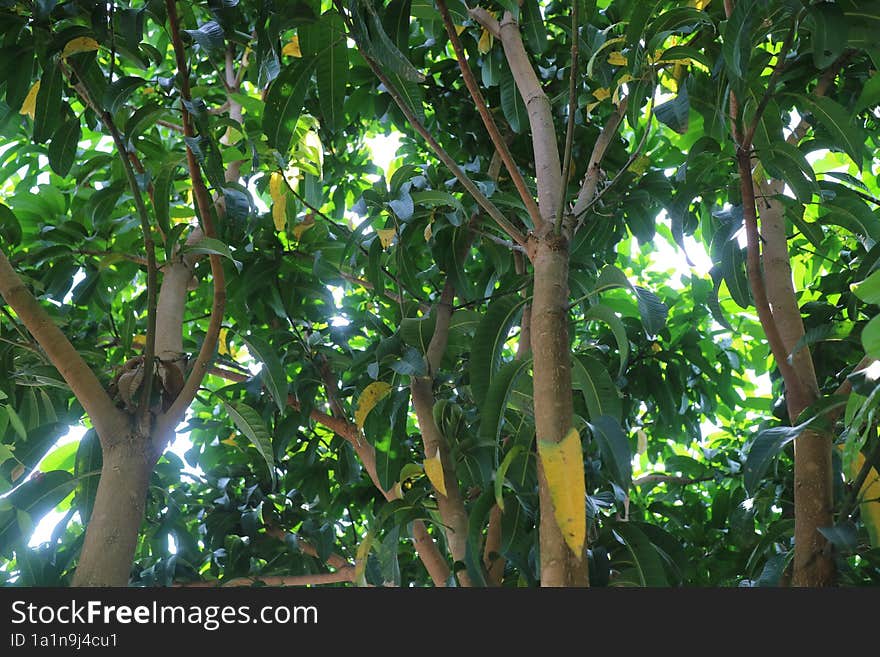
{"type": "Point", "coordinates": [553, 397]}
{"type": "Point", "coordinates": [112, 532]}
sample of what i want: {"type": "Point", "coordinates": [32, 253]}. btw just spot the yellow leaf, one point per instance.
{"type": "Point", "coordinates": [230, 441]}
{"type": "Point", "coordinates": [642, 438]}
{"type": "Point", "coordinates": [307, 222]}
{"type": "Point", "coordinates": [428, 231]}
{"type": "Point", "coordinates": [386, 236]}
{"type": "Point", "coordinates": [139, 340]}
{"type": "Point", "coordinates": [563, 464]}
{"type": "Point", "coordinates": [870, 492]}
{"type": "Point", "coordinates": [434, 470]}
{"type": "Point", "coordinates": [292, 47]}
{"type": "Point", "coordinates": [78, 45]}
{"type": "Point", "coordinates": [459, 29]}
{"type": "Point", "coordinates": [486, 41]}
{"type": "Point", "coordinates": [602, 93]}
{"type": "Point", "coordinates": [616, 58]}
{"type": "Point", "coordinates": [276, 187]}
{"type": "Point", "coordinates": [279, 217]}
{"type": "Point", "coordinates": [30, 101]}
{"type": "Point", "coordinates": [701, 4]}
{"type": "Point", "coordinates": [222, 348]}
{"type": "Point", "coordinates": [368, 400]}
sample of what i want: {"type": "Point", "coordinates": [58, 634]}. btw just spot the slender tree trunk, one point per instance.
{"type": "Point", "coordinates": [554, 412]}
{"type": "Point", "coordinates": [112, 533]}
{"type": "Point", "coordinates": [813, 478]}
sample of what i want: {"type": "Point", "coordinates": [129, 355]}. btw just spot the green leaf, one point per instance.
{"type": "Point", "coordinates": [432, 198]}
{"type": "Point", "coordinates": [605, 314]}
{"type": "Point", "coordinates": [733, 268]}
{"type": "Point", "coordinates": [646, 562]}
{"type": "Point", "coordinates": [208, 36]}
{"type": "Point", "coordinates": [675, 113]}
{"type": "Point", "coordinates": [284, 103]}
{"type": "Point", "coordinates": [869, 289]}
{"type": "Point", "coordinates": [764, 449]}
{"type": "Point", "coordinates": [512, 104]}
{"type": "Point", "coordinates": [651, 309]}
{"type": "Point", "coordinates": [615, 449]}
{"type": "Point", "coordinates": [418, 331]}
{"type": "Point", "coordinates": [251, 425]}
{"type": "Point", "coordinates": [838, 123]}
{"type": "Point", "coordinates": [62, 150]}
{"type": "Point", "coordinates": [609, 278]}
{"type": "Point", "coordinates": [870, 95]}
{"type": "Point", "coordinates": [495, 403]}
{"type": "Point", "coordinates": [534, 30]}
{"type": "Point", "coordinates": [489, 339]}
{"type": "Point", "coordinates": [477, 515]}
{"type": "Point", "coordinates": [737, 39]}
{"type": "Point", "coordinates": [87, 470]}
{"type": "Point", "coordinates": [786, 162]}
{"type": "Point", "coordinates": [119, 90]}
{"type": "Point", "coordinates": [829, 33]}
{"type": "Point", "coordinates": [36, 497]}
{"type": "Point", "coordinates": [870, 338]}
{"type": "Point", "coordinates": [209, 245]}
{"type": "Point", "coordinates": [48, 107]}
{"type": "Point", "coordinates": [600, 394]}
{"type": "Point", "coordinates": [325, 40]}
{"type": "Point", "coordinates": [852, 213]}
{"type": "Point", "coordinates": [501, 473]}
{"type": "Point", "coordinates": [272, 373]}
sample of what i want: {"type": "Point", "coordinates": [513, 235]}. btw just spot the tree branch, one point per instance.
{"type": "Point", "coordinates": [345, 574]}
{"type": "Point", "coordinates": [572, 107]}
{"type": "Point", "coordinates": [209, 345]}
{"type": "Point", "coordinates": [108, 420]}
{"type": "Point", "coordinates": [480, 103]}
{"type": "Point", "coordinates": [490, 208]}
{"type": "Point", "coordinates": [548, 169]}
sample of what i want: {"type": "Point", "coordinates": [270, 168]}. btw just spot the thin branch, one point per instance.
{"type": "Point", "coordinates": [771, 83]}
{"type": "Point", "coordinates": [491, 127]}
{"type": "Point", "coordinates": [203, 202]}
{"type": "Point", "coordinates": [572, 106]}
{"type": "Point", "coordinates": [662, 478]}
{"type": "Point", "coordinates": [342, 575]}
{"type": "Point", "coordinates": [149, 246]}
{"type": "Point", "coordinates": [490, 208]}
{"type": "Point", "coordinates": [548, 169]}
{"type": "Point", "coordinates": [499, 240]}
{"type": "Point", "coordinates": [169, 125]}
{"type": "Point", "coordinates": [587, 193]}
{"type": "Point", "coordinates": [581, 216]}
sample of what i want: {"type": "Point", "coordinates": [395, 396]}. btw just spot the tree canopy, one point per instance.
{"type": "Point", "coordinates": [494, 361]}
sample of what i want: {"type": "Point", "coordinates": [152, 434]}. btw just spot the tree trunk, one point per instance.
{"type": "Point", "coordinates": [553, 397]}
{"type": "Point", "coordinates": [112, 532]}
{"type": "Point", "coordinates": [813, 478]}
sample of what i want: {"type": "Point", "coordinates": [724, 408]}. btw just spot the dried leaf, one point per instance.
{"type": "Point", "coordinates": [616, 58]}
{"type": "Point", "coordinates": [386, 236]}
{"type": "Point", "coordinates": [486, 41]}
{"type": "Point", "coordinates": [292, 47]}
{"type": "Point", "coordinates": [307, 222]}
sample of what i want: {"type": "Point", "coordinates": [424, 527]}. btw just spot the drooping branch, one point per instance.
{"type": "Point", "coordinates": [109, 421]}
{"type": "Point", "coordinates": [491, 127]}
{"type": "Point", "coordinates": [472, 189]}
{"type": "Point", "coordinates": [547, 166]}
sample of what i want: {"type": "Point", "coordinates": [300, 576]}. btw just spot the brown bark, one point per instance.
{"type": "Point", "coordinates": [554, 412]}
{"type": "Point", "coordinates": [112, 533]}
{"type": "Point", "coordinates": [346, 574]}
{"type": "Point", "coordinates": [492, 559]}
